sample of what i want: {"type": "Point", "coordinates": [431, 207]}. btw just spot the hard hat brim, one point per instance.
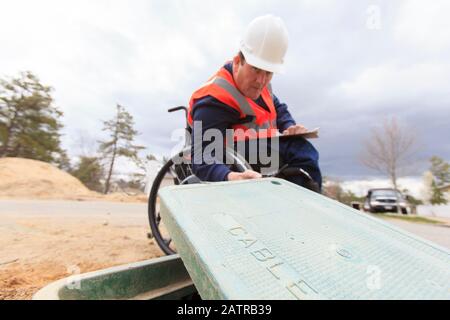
{"type": "Point", "coordinates": [262, 64]}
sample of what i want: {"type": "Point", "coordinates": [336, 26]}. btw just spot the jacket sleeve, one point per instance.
{"type": "Point", "coordinates": [211, 114]}
{"type": "Point", "coordinates": [284, 118]}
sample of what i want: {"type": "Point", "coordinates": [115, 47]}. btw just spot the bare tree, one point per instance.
{"type": "Point", "coordinates": [389, 149]}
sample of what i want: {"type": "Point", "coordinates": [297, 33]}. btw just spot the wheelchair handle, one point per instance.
{"type": "Point", "coordinates": [178, 108]}
{"type": "Point", "coordinates": [185, 111]}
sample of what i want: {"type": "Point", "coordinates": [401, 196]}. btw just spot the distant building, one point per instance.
{"type": "Point", "coordinates": [446, 190]}
{"type": "Point", "coordinates": [442, 210]}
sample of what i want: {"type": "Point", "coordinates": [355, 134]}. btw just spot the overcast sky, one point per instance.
{"type": "Point", "coordinates": [350, 64]}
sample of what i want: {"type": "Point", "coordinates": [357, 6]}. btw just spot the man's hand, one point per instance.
{"type": "Point", "coordinates": [247, 174]}
{"type": "Point", "coordinates": [296, 129]}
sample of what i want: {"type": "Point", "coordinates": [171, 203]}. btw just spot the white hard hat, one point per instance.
{"type": "Point", "coordinates": [265, 43]}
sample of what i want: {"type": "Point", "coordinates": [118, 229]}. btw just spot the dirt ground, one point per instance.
{"type": "Point", "coordinates": [38, 246]}
{"type": "Point", "coordinates": [38, 250]}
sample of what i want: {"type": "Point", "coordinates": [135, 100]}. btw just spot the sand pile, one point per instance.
{"type": "Point", "coordinates": [25, 178]}
{"type": "Point", "coordinates": [32, 179]}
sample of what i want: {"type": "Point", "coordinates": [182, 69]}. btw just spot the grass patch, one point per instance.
{"type": "Point", "coordinates": [415, 219]}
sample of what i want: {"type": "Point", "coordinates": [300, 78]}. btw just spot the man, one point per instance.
{"type": "Point", "coordinates": [239, 97]}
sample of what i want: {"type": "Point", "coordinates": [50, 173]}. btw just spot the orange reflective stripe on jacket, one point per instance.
{"type": "Point", "coordinates": [223, 88]}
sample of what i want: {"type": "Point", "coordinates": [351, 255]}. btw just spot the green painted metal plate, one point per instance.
{"type": "Point", "coordinates": [271, 239]}
{"type": "Point", "coordinates": [159, 278]}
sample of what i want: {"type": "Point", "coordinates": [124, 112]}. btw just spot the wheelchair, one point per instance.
{"type": "Point", "coordinates": [178, 171]}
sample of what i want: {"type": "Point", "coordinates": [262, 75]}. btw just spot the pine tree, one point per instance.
{"type": "Point", "coordinates": [440, 170]}
{"type": "Point", "coordinates": [29, 122]}
{"type": "Point", "coordinates": [441, 177]}
{"type": "Point", "coordinates": [89, 171]}
{"type": "Point", "coordinates": [120, 144]}
{"type": "Point", "coordinates": [437, 196]}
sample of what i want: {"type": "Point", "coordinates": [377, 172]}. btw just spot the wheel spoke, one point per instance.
{"type": "Point", "coordinates": [184, 173]}
{"type": "Point", "coordinates": [173, 172]}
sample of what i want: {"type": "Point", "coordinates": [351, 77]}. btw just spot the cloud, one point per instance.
{"type": "Point", "coordinates": [424, 26]}
{"type": "Point", "coordinates": [393, 84]}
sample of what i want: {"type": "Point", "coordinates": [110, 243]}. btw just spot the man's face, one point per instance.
{"type": "Point", "coordinates": [250, 80]}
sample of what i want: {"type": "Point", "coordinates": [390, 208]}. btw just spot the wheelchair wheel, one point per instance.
{"type": "Point", "coordinates": [178, 171]}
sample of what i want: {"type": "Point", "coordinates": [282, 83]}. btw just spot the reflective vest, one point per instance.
{"type": "Point", "coordinates": [257, 121]}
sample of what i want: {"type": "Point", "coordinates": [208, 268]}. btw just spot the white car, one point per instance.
{"type": "Point", "coordinates": [385, 200]}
